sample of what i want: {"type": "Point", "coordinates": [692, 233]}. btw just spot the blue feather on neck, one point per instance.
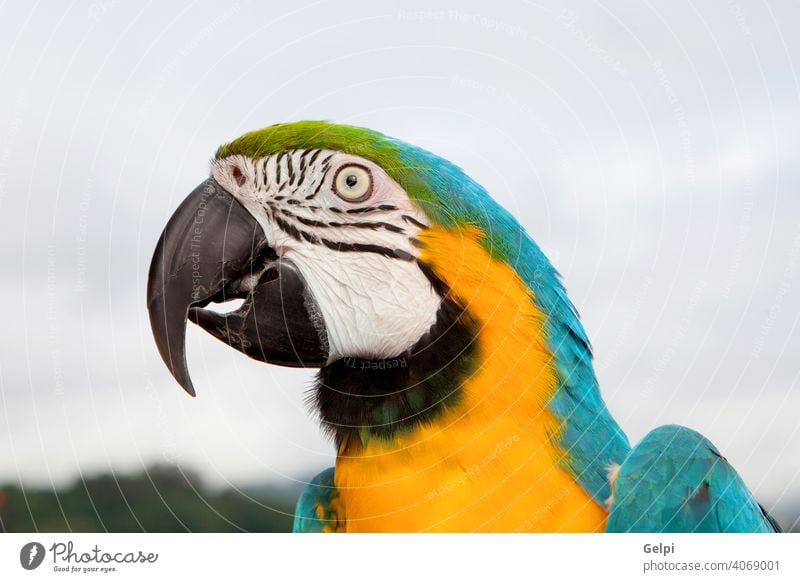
{"type": "Point", "coordinates": [591, 437]}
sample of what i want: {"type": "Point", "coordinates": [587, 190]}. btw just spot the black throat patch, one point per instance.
{"type": "Point", "coordinates": [370, 399]}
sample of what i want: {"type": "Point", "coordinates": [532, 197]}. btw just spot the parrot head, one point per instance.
{"type": "Point", "coordinates": [345, 246]}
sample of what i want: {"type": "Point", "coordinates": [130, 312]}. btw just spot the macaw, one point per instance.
{"type": "Point", "coordinates": [455, 377]}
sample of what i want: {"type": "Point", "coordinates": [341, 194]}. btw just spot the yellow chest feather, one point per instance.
{"type": "Point", "coordinates": [492, 462]}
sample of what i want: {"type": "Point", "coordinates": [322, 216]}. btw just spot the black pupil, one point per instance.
{"type": "Point", "coordinates": [351, 180]}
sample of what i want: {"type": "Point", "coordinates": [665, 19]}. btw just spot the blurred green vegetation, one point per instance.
{"type": "Point", "coordinates": [163, 499]}
{"type": "Point", "coordinates": [160, 499]}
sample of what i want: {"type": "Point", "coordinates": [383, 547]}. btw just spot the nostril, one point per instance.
{"type": "Point", "coordinates": [238, 175]}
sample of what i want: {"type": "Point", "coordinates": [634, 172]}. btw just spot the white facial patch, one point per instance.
{"type": "Point", "coordinates": [373, 307]}
{"type": "Point", "coordinates": [356, 253]}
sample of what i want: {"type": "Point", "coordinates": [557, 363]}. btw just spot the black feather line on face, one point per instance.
{"type": "Point", "coordinates": [377, 208]}
{"type": "Point", "coordinates": [345, 247]}
{"type": "Point", "coordinates": [320, 224]}
{"type": "Point", "coordinates": [387, 252]}
{"type": "Point", "coordinates": [319, 186]}
{"type": "Point", "coordinates": [414, 221]}
{"type": "Point", "coordinates": [370, 225]}
{"type": "Point", "coordinates": [378, 399]}
{"type": "Point", "coordinates": [290, 167]}
{"type": "Point", "coordinates": [314, 157]}
{"type": "Point", "coordinates": [302, 177]}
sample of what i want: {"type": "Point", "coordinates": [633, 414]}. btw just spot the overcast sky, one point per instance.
{"type": "Point", "coordinates": [650, 148]}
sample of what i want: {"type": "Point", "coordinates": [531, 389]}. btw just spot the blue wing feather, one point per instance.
{"type": "Point", "coordinates": [675, 480]}
{"type": "Point", "coordinates": [318, 509]}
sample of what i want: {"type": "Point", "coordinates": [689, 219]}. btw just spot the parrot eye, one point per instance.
{"type": "Point", "coordinates": [353, 183]}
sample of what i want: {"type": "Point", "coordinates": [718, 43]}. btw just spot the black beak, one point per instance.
{"type": "Point", "coordinates": [213, 250]}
